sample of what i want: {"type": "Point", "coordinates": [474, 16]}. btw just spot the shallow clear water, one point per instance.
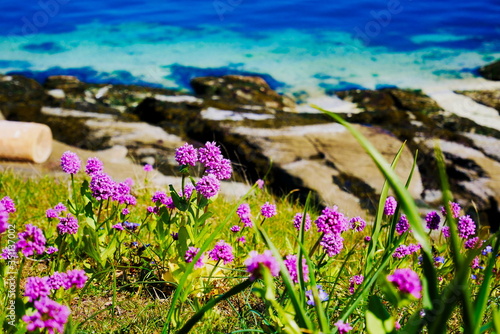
{"type": "Point", "coordinates": [311, 46]}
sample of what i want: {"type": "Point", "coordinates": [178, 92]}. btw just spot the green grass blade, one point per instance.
{"type": "Point", "coordinates": [390, 239]}
{"type": "Point", "coordinates": [372, 247]}
{"type": "Point", "coordinates": [300, 248]}
{"type": "Point", "coordinates": [320, 312]}
{"type": "Point", "coordinates": [484, 291]}
{"type": "Point", "coordinates": [405, 199]}
{"type": "Point", "coordinates": [209, 305]}
{"type": "Point", "coordinates": [456, 290]}
{"type": "Point", "coordinates": [303, 319]}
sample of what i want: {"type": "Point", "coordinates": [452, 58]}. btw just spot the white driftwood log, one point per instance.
{"type": "Point", "coordinates": [25, 141]}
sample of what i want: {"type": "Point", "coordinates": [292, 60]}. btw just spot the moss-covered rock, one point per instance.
{"type": "Point", "coordinates": [241, 93]}
{"type": "Point", "coordinates": [100, 98]}
{"type": "Point", "coordinates": [391, 99]}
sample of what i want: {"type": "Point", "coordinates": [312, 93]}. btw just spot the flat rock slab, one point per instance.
{"type": "Point", "coordinates": [327, 159]}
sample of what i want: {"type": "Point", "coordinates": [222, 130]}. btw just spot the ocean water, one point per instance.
{"type": "Point", "coordinates": [299, 47]}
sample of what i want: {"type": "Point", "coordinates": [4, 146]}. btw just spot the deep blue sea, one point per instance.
{"type": "Point", "coordinates": [297, 46]}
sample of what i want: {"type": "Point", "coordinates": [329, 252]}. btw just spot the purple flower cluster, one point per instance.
{"type": "Point", "coordinates": [446, 231]}
{"type": "Point", "coordinates": [121, 190]}
{"type": "Point", "coordinates": [432, 219]}
{"type": "Point", "coordinates": [406, 281]}
{"type": "Point", "coordinates": [67, 225]}
{"type": "Point", "coordinates": [31, 240]}
{"type": "Point", "coordinates": [9, 253]}
{"type": "Point", "coordinates": [131, 226]}
{"type": "Point", "coordinates": [343, 327]}
{"type": "Point", "coordinates": [147, 168]}
{"type": "Point", "coordinates": [332, 243]}
{"type": "Point", "coordinates": [355, 280]}
{"type": "Point", "coordinates": [466, 227]}
{"type": "Point", "coordinates": [75, 278]}
{"type": "Point", "coordinates": [208, 186]}
{"type": "Point", "coordinates": [211, 157]}
{"type": "Point", "coordinates": [268, 210]}
{"type": "Point", "coordinates": [473, 243]}
{"type": "Point", "coordinates": [8, 204]}
{"type": "Point", "coordinates": [4, 219]}
{"type": "Point", "coordinates": [331, 221]}
{"type": "Point", "coordinates": [36, 287]}
{"type": "Point", "coordinates": [102, 186]}
{"type": "Point", "coordinates": [190, 255]}
{"type": "Point", "coordinates": [118, 227]}
{"type": "Point", "coordinates": [235, 228]}
{"type": "Point", "coordinates": [357, 224]}
{"type": "Point", "coordinates": [70, 162]}
{"type": "Point", "coordinates": [292, 265]}
{"type": "Point", "coordinates": [49, 315]}
{"type": "Point", "coordinates": [475, 263]}
{"type": "Point", "coordinates": [188, 191]}
{"type": "Point", "coordinates": [93, 166]}
{"type": "Point", "coordinates": [186, 155]}
{"type": "Point", "coordinates": [243, 212]}
{"type": "Point", "coordinates": [257, 261]}
{"type": "Point", "coordinates": [56, 211]}
{"type": "Point", "coordinates": [57, 280]}
{"type": "Point", "coordinates": [323, 296]}
{"type": "Point", "coordinates": [160, 197]}
{"type": "Point", "coordinates": [390, 206]}
{"type": "Point", "coordinates": [210, 153]}
{"type": "Point", "coordinates": [401, 251]}
{"type": "Point", "coordinates": [51, 250]}
{"type": "Point", "coordinates": [297, 221]}
{"type": "Point", "coordinates": [222, 251]}
{"type": "Point", "coordinates": [455, 210]}
{"type": "Point", "coordinates": [222, 170]}
{"type": "Point", "coordinates": [402, 225]}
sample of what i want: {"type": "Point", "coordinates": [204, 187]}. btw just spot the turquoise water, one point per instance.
{"type": "Point", "coordinates": [296, 46]}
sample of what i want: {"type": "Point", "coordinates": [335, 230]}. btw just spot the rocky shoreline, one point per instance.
{"type": "Point", "coordinates": [265, 133]}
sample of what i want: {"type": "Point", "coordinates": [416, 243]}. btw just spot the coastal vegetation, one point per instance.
{"type": "Point", "coordinates": [88, 254]}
